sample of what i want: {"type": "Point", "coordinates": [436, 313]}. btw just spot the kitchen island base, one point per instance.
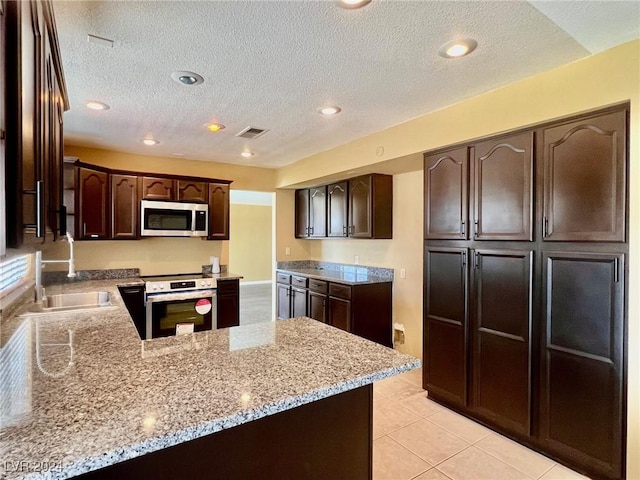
{"type": "Point", "coordinates": [328, 438]}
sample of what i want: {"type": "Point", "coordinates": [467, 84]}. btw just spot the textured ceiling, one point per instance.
{"type": "Point", "coordinates": [272, 64]}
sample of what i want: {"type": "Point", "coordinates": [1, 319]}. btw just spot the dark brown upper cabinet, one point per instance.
{"type": "Point", "coordinates": [218, 211]}
{"type": "Point", "coordinates": [34, 99]}
{"type": "Point", "coordinates": [154, 188]}
{"type": "Point", "coordinates": [337, 210]}
{"type": "Point", "coordinates": [582, 395]}
{"type": "Point", "coordinates": [92, 204]}
{"type": "Point", "coordinates": [371, 206]}
{"type": "Point", "coordinates": [502, 318]}
{"type": "Point", "coordinates": [585, 179]}
{"type": "Point", "coordinates": [503, 188]}
{"type": "Point", "coordinates": [191, 191]}
{"type": "Point", "coordinates": [446, 179]}
{"type": "Point", "coordinates": [125, 211]}
{"type": "Point", "coordinates": [311, 212]}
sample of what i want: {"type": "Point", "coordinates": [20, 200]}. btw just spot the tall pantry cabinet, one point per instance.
{"type": "Point", "coordinates": [524, 285]}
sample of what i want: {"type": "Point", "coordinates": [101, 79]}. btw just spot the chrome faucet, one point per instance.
{"type": "Point", "coordinates": [40, 263]}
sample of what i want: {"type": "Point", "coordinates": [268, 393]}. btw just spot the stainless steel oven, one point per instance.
{"type": "Point", "coordinates": [179, 302]}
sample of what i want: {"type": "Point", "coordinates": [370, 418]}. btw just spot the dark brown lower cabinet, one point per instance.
{"type": "Point", "coordinates": [283, 302]}
{"type": "Point", "coordinates": [582, 398]}
{"type": "Point", "coordinates": [318, 306]}
{"type": "Point", "coordinates": [502, 283]}
{"type": "Point", "coordinates": [479, 354]}
{"type": "Point", "coordinates": [340, 313]}
{"type": "Point", "coordinates": [362, 309]}
{"type": "Point", "coordinates": [298, 302]}
{"type": "Point", "coordinates": [326, 439]}
{"type": "Point", "coordinates": [445, 323]}
{"type": "Point", "coordinates": [228, 300]}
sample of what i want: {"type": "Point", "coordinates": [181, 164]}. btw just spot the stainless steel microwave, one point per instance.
{"type": "Point", "coordinates": [173, 219]}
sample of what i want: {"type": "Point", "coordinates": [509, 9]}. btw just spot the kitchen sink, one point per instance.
{"type": "Point", "coordinates": [72, 301]}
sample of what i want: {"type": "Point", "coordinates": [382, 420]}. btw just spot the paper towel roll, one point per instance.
{"type": "Point", "coordinates": [215, 265]}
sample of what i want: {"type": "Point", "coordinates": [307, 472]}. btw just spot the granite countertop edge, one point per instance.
{"type": "Point", "coordinates": [333, 276]}
{"type": "Point", "coordinates": [207, 428]}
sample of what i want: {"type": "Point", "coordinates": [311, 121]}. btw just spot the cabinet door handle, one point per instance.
{"type": "Point", "coordinates": [344, 230]}
{"type": "Point", "coordinates": [39, 217]}
{"type": "Point", "coordinates": [616, 271]}
{"type": "Point", "coordinates": [462, 228]}
{"type": "Point", "coordinates": [311, 230]}
{"type": "Point", "coordinates": [84, 229]}
{"type": "Point", "coordinates": [545, 233]}
{"type": "Point", "coordinates": [477, 260]}
{"type": "Point", "coordinates": [475, 229]}
{"type": "Point", "coordinates": [464, 259]}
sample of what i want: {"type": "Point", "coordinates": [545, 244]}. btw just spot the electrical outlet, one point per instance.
{"type": "Point", "coordinates": [287, 250]}
{"type": "Point", "coordinates": [356, 259]}
{"type": "Point", "coordinates": [403, 273]}
{"type": "Point", "coordinates": [398, 334]}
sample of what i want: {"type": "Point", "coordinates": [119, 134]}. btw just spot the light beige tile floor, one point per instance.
{"type": "Point", "coordinates": [415, 438]}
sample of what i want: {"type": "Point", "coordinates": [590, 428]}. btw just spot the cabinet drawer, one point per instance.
{"type": "Point", "coordinates": [283, 278]}
{"type": "Point", "coordinates": [317, 286]}
{"type": "Point", "coordinates": [299, 281]}
{"type": "Point", "coordinates": [228, 287]}
{"type": "Point", "coordinates": [341, 291]}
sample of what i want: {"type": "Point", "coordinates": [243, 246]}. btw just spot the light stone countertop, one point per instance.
{"type": "Point", "coordinates": [82, 391]}
{"type": "Point", "coordinates": [347, 277]}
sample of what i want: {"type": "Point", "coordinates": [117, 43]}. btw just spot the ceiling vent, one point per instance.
{"type": "Point", "coordinates": [251, 132]}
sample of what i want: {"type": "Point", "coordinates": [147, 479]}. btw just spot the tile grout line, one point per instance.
{"type": "Point", "coordinates": [513, 466]}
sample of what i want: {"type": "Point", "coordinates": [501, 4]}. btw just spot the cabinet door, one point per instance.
{"type": "Point", "coordinates": [445, 194]}
{"type": "Point", "coordinates": [158, 189]}
{"type": "Point", "coordinates": [302, 213]}
{"type": "Point", "coordinates": [93, 204]}
{"type": "Point", "coordinates": [189, 191]}
{"type": "Point", "coordinates": [318, 306]}
{"type": "Point", "coordinates": [585, 179]}
{"type": "Point", "coordinates": [318, 211]}
{"type": "Point", "coordinates": [340, 313]}
{"type": "Point", "coordinates": [337, 210]}
{"type": "Point", "coordinates": [228, 303]}
{"type": "Point", "coordinates": [446, 314]}
{"type": "Point", "coordinates": [360, 221]}
{"type": "Point", "coordinates": [582, 401]}
{"type": "Point", "coordinates": [501, 348]}
{"type": "Point", "coordinates": [218, 211]}
{"type": "Point", "coordinates": [124, 207]}
{"type": "Point", "coordinates": [283, 300]}
{"type": "Point", "coordinates": [298, 302]}
{"type": "Point", "coordinates": [503, 190]}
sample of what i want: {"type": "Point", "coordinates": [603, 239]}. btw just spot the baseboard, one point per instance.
{"type": "Point", "coordinates": [256, 282]}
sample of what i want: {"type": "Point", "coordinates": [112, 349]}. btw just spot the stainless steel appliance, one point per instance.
{"type": "Point", "coordinates": [184, 299]}
{"type": "Point", "coordinates": [173, 219]}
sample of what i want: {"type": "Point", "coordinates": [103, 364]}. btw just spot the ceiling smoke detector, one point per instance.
{"type": "Point", "coordinates": [187, 78]}
{"type": "Point", "coordinates": [251, 132]}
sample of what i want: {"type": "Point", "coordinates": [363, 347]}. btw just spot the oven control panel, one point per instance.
{"type": "Point", "coordinates": [158, 284]}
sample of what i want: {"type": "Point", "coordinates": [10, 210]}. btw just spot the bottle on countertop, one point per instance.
{"type": "Point", "coordinates": [215, 265]}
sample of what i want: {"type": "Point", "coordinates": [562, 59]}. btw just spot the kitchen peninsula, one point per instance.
{"type": "Point", "coordinates": [88, 397]}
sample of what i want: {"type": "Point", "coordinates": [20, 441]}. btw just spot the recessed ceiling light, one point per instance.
{"type": "Point", "coordinates": [247, 154]}
{"type": "Point", "coordinates": [187, 78]}
{"type": "Point", "coordinates": [331, 110]}
{"type": "Point", "coordinates": [353, 3]}
{"type": "Point", "coordinates": [150, 142]}
{"type": "Point", "coordinates": [458, 48]}
{"type": "Point", "coordinates": [93, 105]}
{"type": "Point", "coordinates": [215, 127]}
{"type": "Point", "coordinates": [178, 154]}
